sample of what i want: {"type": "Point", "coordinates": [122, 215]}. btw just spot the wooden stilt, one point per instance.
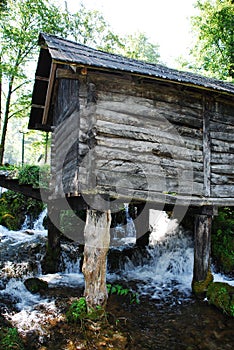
{"type": "Point", "coordinates": [202, 243]}
{"type": "Point", "coordinates": [97, 241]}
{"type": "Point", "coordinates": [142, 225]}
{"type": "Point", "coordinates": [50, 262]}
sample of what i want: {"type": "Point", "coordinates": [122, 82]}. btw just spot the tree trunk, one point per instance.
{"type": "Point", "coordinates": [97, 241]}
{"type": "Point", "coordinates": [5, 121]}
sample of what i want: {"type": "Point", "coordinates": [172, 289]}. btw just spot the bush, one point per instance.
{"type": "Point", "coordinates": [222, 243]}
{"type": "Point", "coordinates": [15, 206]}
{"type": "Point", "coordinates": [9, 339]}
{"type": "Point", "coordinates": [37, 176]}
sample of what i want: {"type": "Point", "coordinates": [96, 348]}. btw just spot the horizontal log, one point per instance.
{"type": "Point", "coordinates": [149, 149]}
{"type": "Point", "coordinates": [147, 182]}
{"type": "Point", "coordinates": [222, 191]}
{"type": "Point", "coordinates": [222, 168]}
{"type": "Point", "coordinates": [218, 179]}
{"type": "Point", "coordinates": [163, 91]}
{"type": "Point", "coordinates": [222, 158]}
{"type": "Point", "coordinates": [221, 136]}
{"type": "Point", "coordinates": [222, 146]}
{"type": "Point", "coordinates": [221, 127]}
{"type": "Point", "coordinates": [162, 198]}
{"type": "Point", "coordinates": [149, 110]}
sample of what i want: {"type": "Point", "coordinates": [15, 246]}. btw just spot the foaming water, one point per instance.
{"type": "Point", "coordinates": [168, 268]}
{"type": "Point", "coordinates": [163, 273]}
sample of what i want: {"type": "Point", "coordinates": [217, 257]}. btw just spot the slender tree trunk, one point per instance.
{"type": "Point", "coordinates": [97, 241]}
{"type": "Point", "coordinates": [5, 121]}
{"type": "Point", "coordinates": [0, 90]}
{"type": "Point", "coordinates": [46, 147]}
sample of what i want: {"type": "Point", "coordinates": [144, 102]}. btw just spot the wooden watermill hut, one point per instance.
{"type": "Point", "coordinates": [132, 131]}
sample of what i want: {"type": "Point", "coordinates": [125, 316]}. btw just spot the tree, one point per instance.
{"type": "Point", "coordinates": [19, 28]}
{"type": "Point", "coordinates": [22, 20]}
{"type": "Point", "coordinates": [214, 48]}
{"type": "Point", "coordinates": [139, 47]}
{"type": "Point", "coordinates": [89, 27]}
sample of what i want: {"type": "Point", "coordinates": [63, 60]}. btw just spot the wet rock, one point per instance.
{"type": "Point", "coordinates": [29, 232]}
{"type": "Point", "coordinates": [35, 285]}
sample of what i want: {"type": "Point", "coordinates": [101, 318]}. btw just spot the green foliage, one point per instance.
{"type": "Point", "coordinates": [119, 290]}
{"type": "Point", "coordinates": [222, 241]}
{"type": "Point", "coordinates": [77, 312]}
{"type": "Point", "coordinates": [35, 175]}
{"type": "Point", "coordinates": [19, 28]}
{"type": "Point", "coordinates": [13, 208]}
{"type": "Point", "coordinates": [139, 47]}
{"type": "Point", "coordinates": [9, 339]}
{"type": "Point", "coordinates": [214, 26]}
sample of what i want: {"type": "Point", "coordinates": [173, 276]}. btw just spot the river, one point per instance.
{"type": "Point", "coordinates": [168, 316]}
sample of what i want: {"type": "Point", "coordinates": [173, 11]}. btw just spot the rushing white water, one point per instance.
{"type": "Point", "coordinates": [164, 272]}
{"type": "Point", "coordinates": [124, 234]}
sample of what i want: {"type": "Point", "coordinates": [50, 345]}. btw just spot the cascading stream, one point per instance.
{"type": "Point", "coordinates": [163, 273]}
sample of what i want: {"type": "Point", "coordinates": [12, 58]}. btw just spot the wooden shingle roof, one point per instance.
{"type": "Point", "coordinates": [71, 52]}
{"type": "Point", "coordinates": [55, 51]}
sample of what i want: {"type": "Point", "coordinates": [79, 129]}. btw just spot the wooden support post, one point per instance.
{"type": "Point", "coordinates": [202, 243]}
{"type": "Point", "coordinates": [97, 242]}
{"type": "Point", "coordinates": [142, 225]}
{"type": "Point", "coordinates": [50, 263]}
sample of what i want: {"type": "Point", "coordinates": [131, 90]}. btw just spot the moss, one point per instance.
{"type": "Point", "coordinates": [221, 295]}
{"type": "Point", "coordinates": [10, 339]}
{"type": "Point", "coordinates": [200, 287]}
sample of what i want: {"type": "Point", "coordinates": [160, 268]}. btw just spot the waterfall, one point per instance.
{"type": "Point", "coordinates": [124, 234]}
{"type": "Point", "coordinates": [168, 264]}
{"type": "Point", "coordinates": [38, 224]}
{"type": "Point", "coordinates": [163, 272]}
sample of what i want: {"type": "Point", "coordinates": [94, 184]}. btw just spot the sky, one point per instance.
{"type": "Point", "coordinates": [165, 22]}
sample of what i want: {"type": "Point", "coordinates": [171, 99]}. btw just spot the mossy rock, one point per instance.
{"type": "Point", "coordinates": [35, 285]}
{"type": "Point", "coordinates": [200, 287]}
{"type": "Point", "coordinates": [221, 295]}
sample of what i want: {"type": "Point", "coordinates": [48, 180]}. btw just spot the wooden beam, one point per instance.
{"type": "Point", "coordinates": [66, 74]}
{"type": "Point", "coordinates": [49, 92]}
{"type": "Point", "coordinates": [41, 78]}
{"type": "Point", "coordinates": [206, 148]}
{"type": "Point", "coordinates": [26, 190]}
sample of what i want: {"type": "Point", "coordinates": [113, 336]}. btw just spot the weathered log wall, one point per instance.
{"type": "Point", "coordinates": [148, 137]}
{"type": "Point", "coordinates": [142, 135]}
{"type": "Point", "coordinates": [222, 148]}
